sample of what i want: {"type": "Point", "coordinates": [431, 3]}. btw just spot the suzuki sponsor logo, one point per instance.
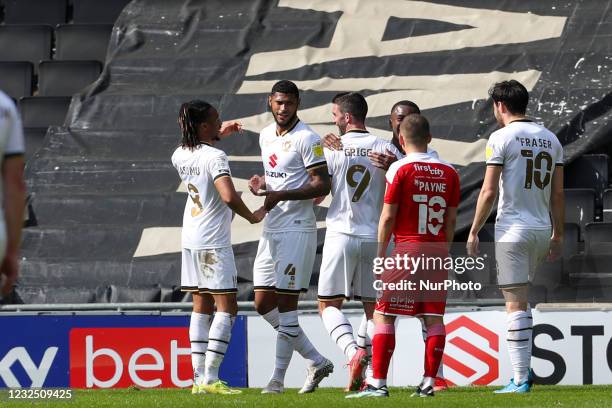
{"type": "Point", "coordinates": [36, 372]}
{"type": "Point", "coordinates": [119, 358]}
{"type": "Point", "coordinates": [471, 341]}
{"type": "Point", "coordinates": [272, 160]}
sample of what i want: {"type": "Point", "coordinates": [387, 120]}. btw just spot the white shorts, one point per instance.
{"type": "Point", "coordinates": [346, 267]}
{"type": "Point", "coordinates": [284, 261]}
{"type": "Point", "coordinates": [518, 253]}
{"type": "Point", "coordinates": [209, 271]}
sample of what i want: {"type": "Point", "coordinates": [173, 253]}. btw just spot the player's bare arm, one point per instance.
{"type": "Point", "coordinates": [230, 127]}
{"type": "Point", "coordinates": [385, 227]}
{"type": "Point", "coordinates": [332, 141]}
{"type": "Point", "coordinates": [13, 204]}
{"type": "Point", "coordinates": [557, 211]}
{"type": "Point", "coordinates": [450, 221]}
{"type": "Point", "coordinates": [484, 205]}
{"type": "Point", "coordinates": [382, 160]}
{"type": "Point", "coordinates": [257, 185]}
{"type": "Point", "coordinates": [318, 185]}
{"type": "Point", "coordinates": [227, 192]}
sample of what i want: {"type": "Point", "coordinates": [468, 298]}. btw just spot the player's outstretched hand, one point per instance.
{"type": "Point", "coordinates": [8, 274]}
{"type": "Point", "coordinates": [472, 244]}
{"type": "Point", "coordinates": [258, 215]}
{"type": "Point", "coordinates": [556, 249]}
{"type": "Point", "coordinates": [332, 142]}
{"type": "Point", "coordinates": [382, 160]}
{"type": "Point", "coordinates": [229, 127]}
{"type": "Point", "coordinates": [272, 198]}
{"type": "Point", "coordinates": [257, 185]}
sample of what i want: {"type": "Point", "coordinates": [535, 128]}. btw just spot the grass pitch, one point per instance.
{"type": "Point", "coordinates": [541, 396]}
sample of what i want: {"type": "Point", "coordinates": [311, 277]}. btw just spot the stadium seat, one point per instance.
{"type": "Point", "coordinates": [65, 78]}
{"type": "Point", "coordinates": [96, 11]}
{"type": "Point", "coordinates": [598, 239]}
{"type": "Point", "coordinates": [82, 41]}
{"type": "Point", "coordinates": [588, 171]}
{"type": "Point", "coordinates": [580, 206]}
{"type": "Point", "coordinates": [50, 12]}
{"type": "Point", "coordinates": [607, 205]}
{"type": "Point", "coordinates": [43, 111]}
{"type": "Point", "coordinates": [16, 78]}
{"type": "Point", "coordinates": [34, 138]}
{"type": "Point", "coordinates": [34, 43]}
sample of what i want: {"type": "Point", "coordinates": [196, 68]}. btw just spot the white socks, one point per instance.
{"type": "Point", "coordinates": [290, 337]}
{"type": "Point", "coordinates": [219, 338]}
{"type": "Point", "coordinates": [340, 330]}
{"type": "Point", "coordinates": [199, 326]}
{"type": "Point", "coordinates": [520, 326]}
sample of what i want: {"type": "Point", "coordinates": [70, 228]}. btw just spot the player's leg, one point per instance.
{"type": "Point", "coordinates": [335, 279]}
{"type": "Point", "coordinates": [199, 327]}
{"type": "Point", "coordinates": [295, 259]}
{"type": "Point", "coordinates": [218, 270]}
{"type": "Point", "coordinates": [512, 251]}
{"type": "Point", "coordinates": [434, 350]}
{"type": "Point", "coordinates": [383, 346]}
{"type": "Point", "coordinates": [199, 323]}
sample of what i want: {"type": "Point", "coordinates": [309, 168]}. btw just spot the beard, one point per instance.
{"type": "Point", "coordinates": [289, 120]}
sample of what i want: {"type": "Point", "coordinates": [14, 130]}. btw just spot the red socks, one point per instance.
{"type": "Point", "coordinates": [383, 345]}
{"type": "Point", "coordinates": [434, 349]}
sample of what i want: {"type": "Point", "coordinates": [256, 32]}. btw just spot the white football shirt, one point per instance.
{"type": "Point", "coordinates": [207, 219]}
{"type": "Point", "coordinates": [286, 161]}
{"type": "Point", "coordinates": [528, 153]}
{"type": "Point", "coordinates": [11, 144]}
{"type": "Point", "coordinates": [358, 187]}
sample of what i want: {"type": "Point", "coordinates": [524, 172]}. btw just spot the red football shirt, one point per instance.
{"type": "Point", "coordinates": [423, 187]}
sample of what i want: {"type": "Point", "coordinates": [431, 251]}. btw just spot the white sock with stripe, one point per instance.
{"type": "Point", "coordinates": [199, 325]}
{"type": "Point", "coordinates": [218, 341]}
{"type": "Point", "coordinates": [340, 330]}
{"type": "Point", "coordinates": [520, 327]}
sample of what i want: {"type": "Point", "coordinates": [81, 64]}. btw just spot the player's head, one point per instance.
{"type": "Point", "coordinates": [398, 112]}
{"type": "Point", "coordinates": [414, 132]}
{"type": "Point", "coordinates": [510, 98]}
{"type": "Point", "coordinates": [284, 101]}
{"type": "Point", "coordinates": [199, 122]}
{"type": "Point", "coordinates": [349, 108]}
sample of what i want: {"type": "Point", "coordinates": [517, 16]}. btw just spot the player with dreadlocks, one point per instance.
{"type": "Point", "coordinates": [208, 268]}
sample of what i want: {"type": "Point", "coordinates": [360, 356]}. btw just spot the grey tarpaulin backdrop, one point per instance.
{"type": "Point", "coordinates": [106, 202]}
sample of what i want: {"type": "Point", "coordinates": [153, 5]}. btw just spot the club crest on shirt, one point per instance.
{"type": "Point", "coordinates": [286, 146]}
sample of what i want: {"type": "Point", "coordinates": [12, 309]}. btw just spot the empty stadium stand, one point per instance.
{"type": "Point", "coordinates": [50, 12]}
{"type": "Point", "coordinates": [65, 78]}
{"type": "Point", "coordinates": [16, 78]}
{"type": "Point", "coordinates": [30, 43]}
{"type": "Point", "coordinates": [82, 41]}
{"type": "Point", "coordinates": [97, 12]}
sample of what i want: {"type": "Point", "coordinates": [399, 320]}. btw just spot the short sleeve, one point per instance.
{"type": "Point", "coordinates": [15, 142]}
{"type": "Point", "coordinates": [559, 161]}
{"type": "Point", "coordinates": [495, 151]}
{"type": "Point", "coordinates": [394, 186]}
{"type": "Point", "coordinates": [390, 147]}
{"type": "Point", "coordinates": [455, 191]}
{"type": "Point", "coordinates": [219, 167]}
{"type": "Point", "coordinates": [311, 150]}
{"type": "Point", "coordinates": [329, 158]}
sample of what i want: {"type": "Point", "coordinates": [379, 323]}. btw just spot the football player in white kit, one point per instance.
{"type": "Point", "coordinates": [525, 162]}
{"type": "Point", "coordinates": [383, 160]}
{"type": "Point", "coordinates": [358, 189]}
{"type": "Point", "coordinates": [295, 174]}
{"type": "Point", "coordinates": [208, 268]}
{"type": "Point", "coordinates": [12, 193]}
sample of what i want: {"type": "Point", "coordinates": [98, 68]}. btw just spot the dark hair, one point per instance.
{"type": "Point", "coordinates": [353, 103]}
{"type": "Point", "coordinates": [192, 114]}
{"type": "Point", "coordinates": [408, 103]}
{"type": "Point", "coordinates": [415, 129]}
{"type": "Point", "coordinates": [286, 87]}
{"type": "Point", "coordinates": [512, 94]}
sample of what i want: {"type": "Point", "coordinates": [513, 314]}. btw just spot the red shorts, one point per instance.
{"type": "Point", "coordinates": [414, 289]}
